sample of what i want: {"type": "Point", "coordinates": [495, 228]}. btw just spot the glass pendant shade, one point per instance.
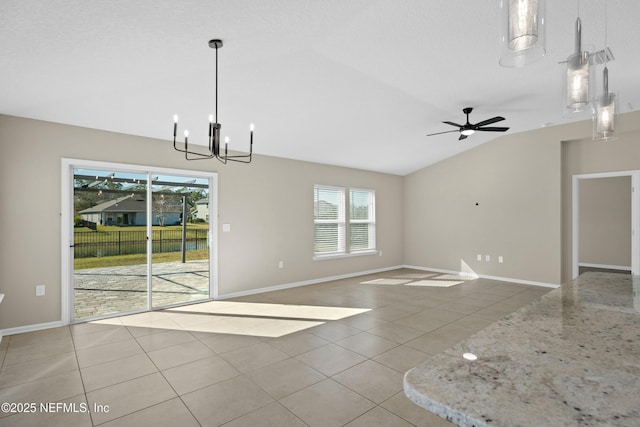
{"type": "Point", "coordinates": [604, 120]}
{"type": "Point", "coordinates": [578, 85]}
{"type": "Point", "coordinates": [522, 35]}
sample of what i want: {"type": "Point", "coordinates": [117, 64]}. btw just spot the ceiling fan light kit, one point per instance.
{"type": "Point", "coordinates": [468, 128]}
{"type": "Point", "coordinates": [522, 32]}
{"type": "Point", "coordinates": [214, 146]}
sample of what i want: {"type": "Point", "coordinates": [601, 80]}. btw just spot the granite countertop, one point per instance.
{"type": "Point", "coordinates": [571, 358]}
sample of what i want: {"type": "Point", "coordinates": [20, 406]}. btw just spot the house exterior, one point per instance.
{"type": "Point", "coordinates": [128, 210]}
{"type": "Point", "coordinates": [202, 210]}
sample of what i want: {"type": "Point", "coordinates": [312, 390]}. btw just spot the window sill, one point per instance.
{"type": "Point", "coordinates": [345, 255]}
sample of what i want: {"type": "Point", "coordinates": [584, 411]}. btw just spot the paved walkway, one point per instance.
{"type": "Point", "coordinates": [102, 291]}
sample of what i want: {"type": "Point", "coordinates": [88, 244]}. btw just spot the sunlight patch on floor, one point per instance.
{"type": "Point", "coordinates": [386, 282]}
{"type": "Point", "coordinates": [435, 283]}
{"type": "Point", "coordinates": [237, 318]}
{"type": "Point", "coordinates": [414, 276]}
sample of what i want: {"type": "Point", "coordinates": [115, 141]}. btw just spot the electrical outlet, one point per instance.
{"type": "Point", "coordinates": [487, 258]}
{"type": "Point", "coordinates": [281, 264]}
{"type": "Point", "coordinates": [479, 257]}
{"type": "Point", "coordinates": [380, 253]}
{"type": "Point", "coordinates": [500, 259]}
{"type": "Point", "coordinates": [39, 290]}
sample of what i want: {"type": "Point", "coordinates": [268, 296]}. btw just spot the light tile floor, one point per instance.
{"type": "Point", "coordinates": [330, 354]}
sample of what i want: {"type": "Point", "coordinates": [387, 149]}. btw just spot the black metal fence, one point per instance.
{"type": "Point", "coordinates": [110, 243]}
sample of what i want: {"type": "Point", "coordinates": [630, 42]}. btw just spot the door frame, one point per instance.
{"type": "Point", "coordinates": [66, 222]}
{"type": "Point", "coordinates": [635, 216]}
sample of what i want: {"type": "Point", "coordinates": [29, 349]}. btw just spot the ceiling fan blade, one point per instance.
{"type": "Point", "coordinates": [489, 121]}
{"type": "Point", "coordinates": [462, 137]}
{"type": "Point", "coordinates": [493, 129]}
{"type": "Point", "coordinates": [438, 133]}
{"type": "Point", "coordinates": [453, 124]}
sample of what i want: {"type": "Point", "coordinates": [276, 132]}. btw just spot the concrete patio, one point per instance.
{"type": "Point", "coordinates": [109, 290]}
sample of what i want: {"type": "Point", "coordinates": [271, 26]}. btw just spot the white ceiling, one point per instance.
{"type": "Point", "coordinates": [356, 83]}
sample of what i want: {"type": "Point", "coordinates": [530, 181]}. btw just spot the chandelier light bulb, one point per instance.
{"type": "Point", "coordinates": [210, 118]}
{"type": "Point", "coordinates": [251, 127]}
{"type": "Point", "coordinates": [186, 133]}
{"type": "Point", "coordinates": [175, 118]}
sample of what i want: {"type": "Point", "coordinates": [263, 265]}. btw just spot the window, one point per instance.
{"type": "Point", "coordinates": [331, 227]}
{"type": "Point", "coordinates": [329, 219]}
{"type": "Point", "coordinates": [362, 220]}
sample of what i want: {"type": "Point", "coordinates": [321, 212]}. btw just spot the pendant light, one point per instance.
{"type": "Point", "coordinates": [214, 147]}
{"type": "Point", "coordinates": [604, 119]}
{"type": "Point", "coordinates": [522, 35]}
{"type": "Point", "coordinates": [578, 81]}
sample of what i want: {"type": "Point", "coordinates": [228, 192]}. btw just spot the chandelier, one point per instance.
{"type": "Point", "coordinates": [214, 146]}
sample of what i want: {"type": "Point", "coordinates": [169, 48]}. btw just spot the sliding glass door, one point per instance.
{"type": "Point", "coordinates": [180, 249]}
{"type": "Point", "coordinates": [139, 240]}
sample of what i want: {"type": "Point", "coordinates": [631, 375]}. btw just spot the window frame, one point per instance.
{"type": "Point", "coordinates": [340, 221]}
{"type": "Point", "coordinates": [344, 224]}
{"type": "Point", "coordinates": [371, 220]}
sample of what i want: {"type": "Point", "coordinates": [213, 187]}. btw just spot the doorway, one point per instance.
{"type": "Point", "coordinates": [140, 238]}
{"type": "Point", "coordinates": [627, 180]}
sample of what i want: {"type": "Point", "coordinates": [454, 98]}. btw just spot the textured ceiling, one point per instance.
{"type": "Point", "coordinates": [356, 83]}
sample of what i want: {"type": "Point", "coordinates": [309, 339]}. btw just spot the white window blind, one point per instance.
{"type": "Point", "coordinates": [329, 219]}
{"type": "Point", "coordinates": [362, 220]}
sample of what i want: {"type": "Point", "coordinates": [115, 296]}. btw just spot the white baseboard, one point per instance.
{"type": "Point", "coordinates": [484, 276]}
{"type": "Point", "coordinates": [31, 328]}
{"type": "Point", "coordinates": [606, 266]}
{"type": "Point", "coordinates": [304, 283]}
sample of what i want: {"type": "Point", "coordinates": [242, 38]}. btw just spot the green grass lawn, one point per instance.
{"type": "Point", "coordinates": [122, 260]}
{"type": "Point", "coordinates": [109, 232]}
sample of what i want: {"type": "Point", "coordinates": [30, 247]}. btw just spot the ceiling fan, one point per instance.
{"type": "Point", "coordinates": [469, 128]}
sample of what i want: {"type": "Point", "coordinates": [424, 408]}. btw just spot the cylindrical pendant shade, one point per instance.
{"type": "Point", "coordinates": [578, 82]}
{"type": "Point", "coordinates": [578, 90]}
{"type": "Point", "coordinates": [604, 119]}
{"type": "Point", "coordinates": [606, 113]}
{"type": "Point", "coordinates": [522, 37]}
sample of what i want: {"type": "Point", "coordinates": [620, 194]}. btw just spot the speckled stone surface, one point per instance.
{"type": "Point", "coordinates": [570, 359]}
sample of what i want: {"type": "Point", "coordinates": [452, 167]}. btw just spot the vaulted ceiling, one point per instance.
{"type": "Point", "coordinates": [356, 83]}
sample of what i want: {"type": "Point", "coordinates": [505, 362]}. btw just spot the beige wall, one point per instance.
{"type": "Point", "coordinates": [498, 199]}
{"type": "Point", "coordinates": [605, 221]}
{"type": "Point", "coordinates": [269, 205]}
{"type": "Point", "coordinates": [522, 184]}
{"type": "Point", "coordinates": [583, 156]}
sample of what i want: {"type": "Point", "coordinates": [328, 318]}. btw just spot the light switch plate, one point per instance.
{"type": "Point", "coordinates": [40, 290]}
